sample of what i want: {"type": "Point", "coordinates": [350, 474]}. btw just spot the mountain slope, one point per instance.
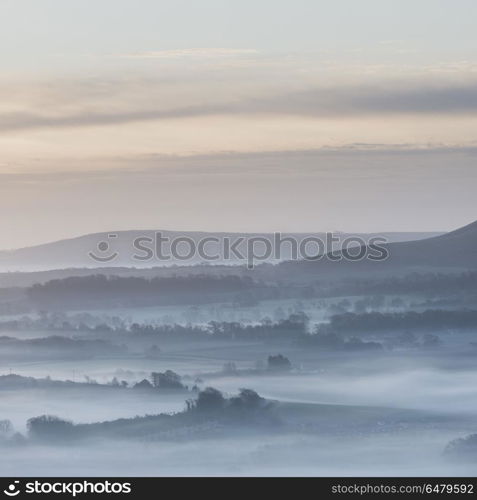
{"type": "Point", "coordinates": [76, 252]}
{"type": "Point", "coordinates": [453, 251]}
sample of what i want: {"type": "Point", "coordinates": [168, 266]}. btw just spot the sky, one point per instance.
{"type": "Point", "coordinates": [236, 116]}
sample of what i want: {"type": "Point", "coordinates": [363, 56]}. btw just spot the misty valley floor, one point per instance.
{"type": "Point", "coordinates": [344, 414]}
{"type": "Point", "coordinates": [280, 371]}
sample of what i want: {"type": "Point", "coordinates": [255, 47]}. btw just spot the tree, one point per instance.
{"type": "Point", "coordinates": [6, 428]}
{"type": "Point", "coordinates": [144, 384]}
{"type": "Point", "coordinates": [49, 427]}
{"type": "Point", "coordinates": [114, 382]}
{"type": "Point", "coordinates": [166, 380]}
{"type": "Point", "coordinates": [247, 399]}
{"type": "Point", "coordinates": [210, 399]}
{"type": "Point", "coordinates": [278, 362]}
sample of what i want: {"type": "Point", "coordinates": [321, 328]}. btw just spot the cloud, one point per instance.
{"type": "Point", "coordinates": [294, 162]}
{"type": "Point", "coordinates": [25, 121]}
{"type": "Point", "coordinates": [315, 103]}
{"type": "Point", "coordinates": [370, 100]}
{"type": "Point", "coordinates": [188, 53]}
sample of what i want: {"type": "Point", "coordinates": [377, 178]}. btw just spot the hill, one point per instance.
{"type": "Point", "coordinates": [117, 249]}
{"type": "Point", "coordinates": [455, 251]}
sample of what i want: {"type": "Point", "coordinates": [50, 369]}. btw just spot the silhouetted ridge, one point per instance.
{"type": "Point", "coordinates": [469, 229]}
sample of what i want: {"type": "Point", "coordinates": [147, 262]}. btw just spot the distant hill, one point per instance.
{"type": "Point", "coordinates": [79, 252]}
{"type": "Point", "coordinates": [453, 251]}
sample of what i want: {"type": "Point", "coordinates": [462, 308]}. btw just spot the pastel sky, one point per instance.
{"type": "Point", "coordinates": [301, 115]}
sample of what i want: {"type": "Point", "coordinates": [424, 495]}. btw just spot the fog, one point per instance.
{"type": "Point", "coordinates": [404, 454]}
{"type": "Point", "coordinates": [347, 376]}
{"type": "Point", "coordinates": [387, 413]}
